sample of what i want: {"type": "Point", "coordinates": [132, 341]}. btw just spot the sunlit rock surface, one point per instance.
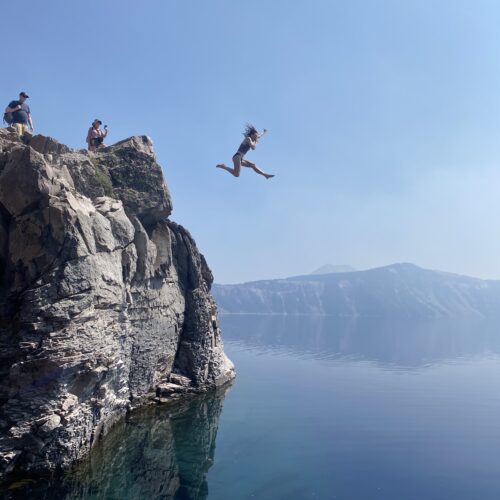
{"type": "Point", "coordinates": [103, 300]}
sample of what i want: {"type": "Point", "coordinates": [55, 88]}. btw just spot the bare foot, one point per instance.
{"type": "Point", "coordinates": [220, 165]}
{"type": "Point", "coordinates": [269, 176]}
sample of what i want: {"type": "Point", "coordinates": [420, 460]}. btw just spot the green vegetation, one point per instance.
{"type": "Point", "coordinates": [103, 178]}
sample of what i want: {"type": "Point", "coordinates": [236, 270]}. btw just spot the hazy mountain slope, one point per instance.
{"type": "Point", "coordinates": [402, 290]}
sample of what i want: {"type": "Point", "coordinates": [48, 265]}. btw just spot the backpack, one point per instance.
{"type": "Point", "coordinates": [8, 118]}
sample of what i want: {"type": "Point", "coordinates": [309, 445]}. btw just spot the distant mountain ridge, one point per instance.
{"type": "Point", "coordinates": [398, 290]}
{"type": "Point", "coordinates": [331, 269]}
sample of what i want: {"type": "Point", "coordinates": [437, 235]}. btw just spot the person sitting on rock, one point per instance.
{"type": "Point", "coordinates": [95, 135]}
{"type": "Point", "coordinates": [21, 114]}
{"type": "Point", "coordinates": [252, 137]}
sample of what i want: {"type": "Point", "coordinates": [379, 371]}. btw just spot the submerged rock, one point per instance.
{"type": "Point", "coordinates": [103, 299]}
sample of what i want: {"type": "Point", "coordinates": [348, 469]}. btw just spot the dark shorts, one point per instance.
{"type": "Point", "coordinates": [238, 154]}
{"type": "Point", "coordinates": [97, 141]}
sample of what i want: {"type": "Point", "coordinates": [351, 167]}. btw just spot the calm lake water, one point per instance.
{"type": "Point", "coordinates": [321, 409]}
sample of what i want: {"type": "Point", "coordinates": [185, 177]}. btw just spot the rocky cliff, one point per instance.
{"type": "Point", "coordinates": [158, 452]}
{"type": "Point", "coordinates": [104, 302]}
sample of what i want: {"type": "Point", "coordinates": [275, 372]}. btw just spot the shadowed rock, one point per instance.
{"type": "Point", "coordinates": [157, 452]}
{"type": "Point", "coordinates": [102, 298]}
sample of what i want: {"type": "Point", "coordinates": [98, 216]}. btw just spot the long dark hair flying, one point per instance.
{"type": "Point", "coordinates": [250, 130]}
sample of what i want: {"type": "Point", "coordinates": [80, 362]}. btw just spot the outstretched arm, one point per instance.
{"type": "Point", "coordinates": [252, 143]}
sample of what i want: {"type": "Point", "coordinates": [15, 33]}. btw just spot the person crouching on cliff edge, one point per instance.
{"type": "Point", "coordinates": [95, 135]}
{"type": "Point", "coordinates": [252, 137]}
{"type": "Point", "coordinates": [19, 115]}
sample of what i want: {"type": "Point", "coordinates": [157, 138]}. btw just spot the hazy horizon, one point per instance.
{"type": "Point", "coordinates": [313, 272]}
{"type": "Point", "coordinates": [383, 118]}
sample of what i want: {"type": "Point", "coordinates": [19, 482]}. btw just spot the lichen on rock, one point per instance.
{"type": "Point", "coordinates": [104, 301]}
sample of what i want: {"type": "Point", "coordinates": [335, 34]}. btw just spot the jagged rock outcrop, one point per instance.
{"type": "Point", "coordinates": [104, 302]}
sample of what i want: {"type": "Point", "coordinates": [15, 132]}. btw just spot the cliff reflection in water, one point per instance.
{"type": "Point", "coordinates": [159, 452]}
{"type": "Point", "coordinates": [394, 343]}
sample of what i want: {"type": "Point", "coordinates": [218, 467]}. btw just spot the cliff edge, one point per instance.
{"type": "Point", "coordinates": [104, 302]}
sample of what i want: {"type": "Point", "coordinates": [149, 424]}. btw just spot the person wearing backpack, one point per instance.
{"type": "Point", "coordinates": [18, 115]}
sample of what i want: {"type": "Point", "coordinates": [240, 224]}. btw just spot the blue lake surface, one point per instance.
{"type": "Point", "coordinates": [322, 408]}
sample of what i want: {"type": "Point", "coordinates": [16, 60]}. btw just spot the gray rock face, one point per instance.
{"type": "Point", "coordinates": [102, 298]}
{"type": "Point", "coordinates": [160, 452]}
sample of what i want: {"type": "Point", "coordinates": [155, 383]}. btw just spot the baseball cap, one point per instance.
{"type": "Point", "coordinates": [24, 94]}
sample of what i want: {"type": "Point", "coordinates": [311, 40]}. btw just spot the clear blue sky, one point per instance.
{"type": "Point", "coordinates": [383, 118]}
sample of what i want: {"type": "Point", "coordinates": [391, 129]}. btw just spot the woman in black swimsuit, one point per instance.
{"type": "Point", "coordinates": [250, 142]}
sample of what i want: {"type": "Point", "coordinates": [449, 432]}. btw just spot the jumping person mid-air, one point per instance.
{"type": "Point", "coordinates": [252, 137]}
